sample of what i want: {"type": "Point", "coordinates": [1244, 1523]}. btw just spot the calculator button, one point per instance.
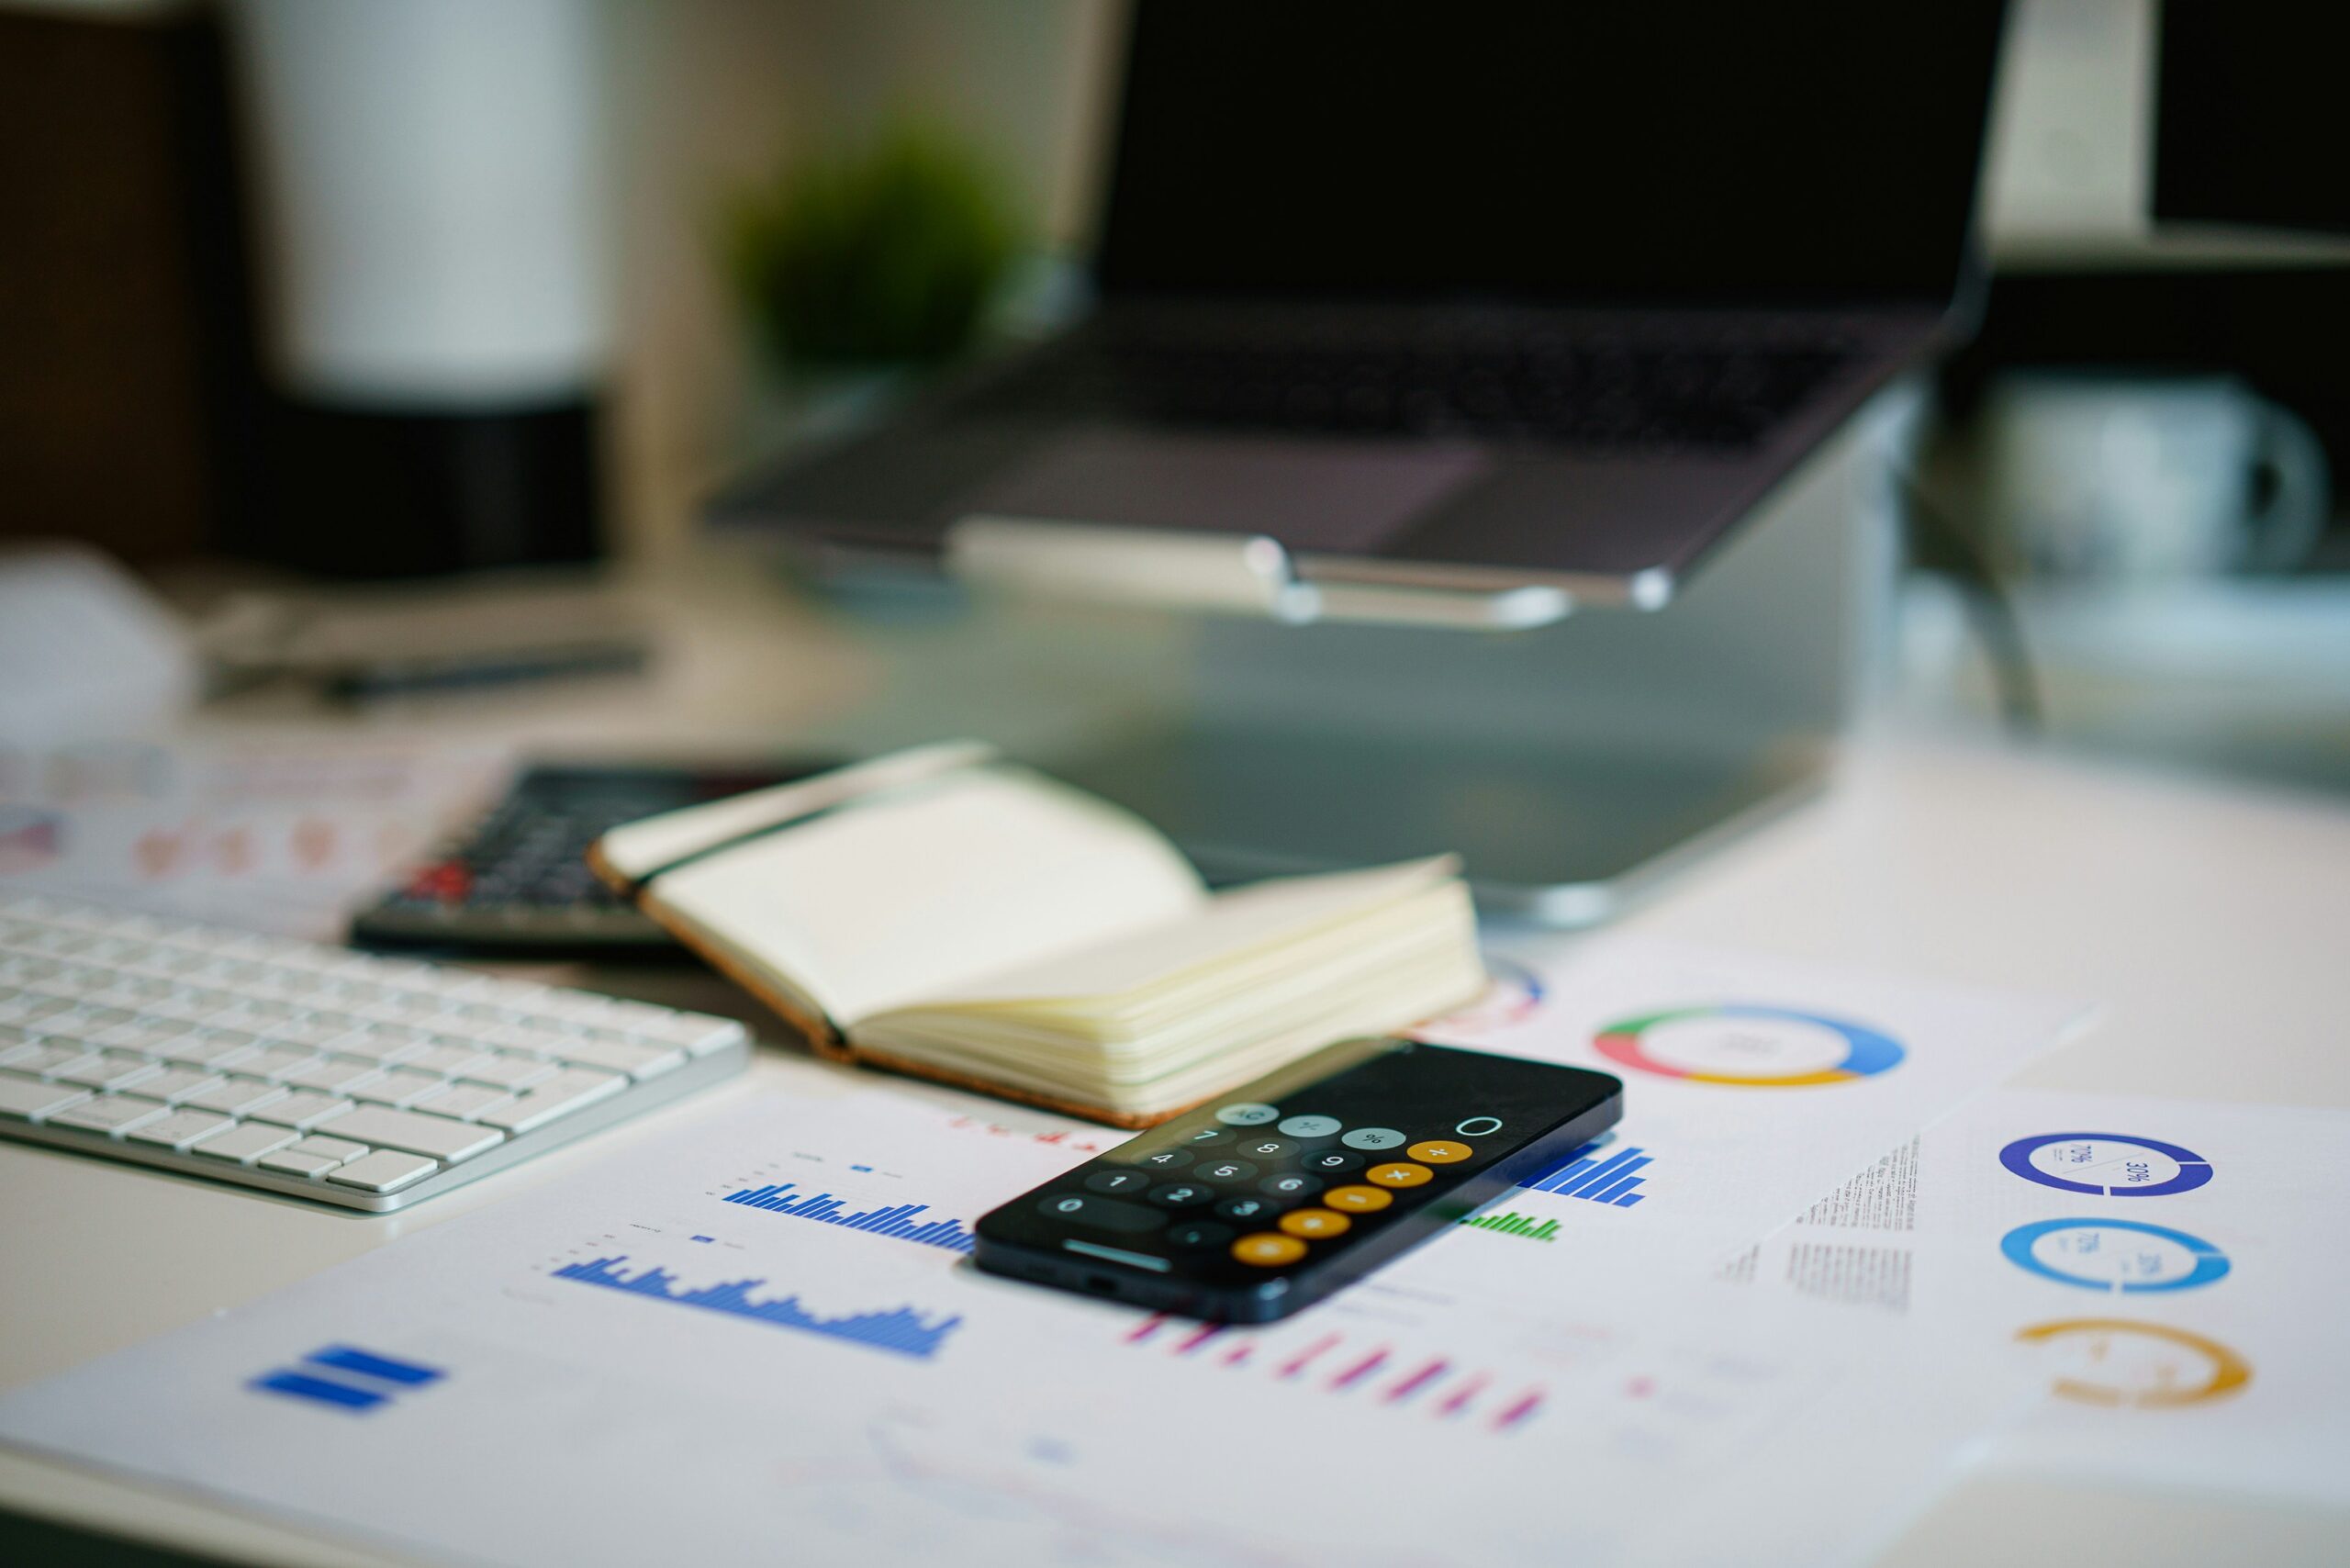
{"type": "Point", "coordinates": [1374, 1138]}
{"type": "Point", "coordinates": [1165, 1159]}
{"type": "Point", "coordinates": [1269, 1249]}
{"type": "Point", "coordinates": [1311, 1127]}
{"type": "Point", "coordinates": [1106, 1214]}
{"type": "Point", "coordinates": [1267, 1149]}
{"type": "Point", "coordinates": [1223, 1171]}
{"type": "Point", "coordinates": [1199, 1233]}
{"type": "Point", "coordinates": [1333, 1162]}
{"type": "Point", "coordinates": [1181, 1195]}
{"type": "Point", "coordinates": [1247, 1208]}
{"type": "Point", "coordinates": [1291, 1184]}
{"type": "Point", "coordinates": [1440, 1151]}
{"type": "Point", "coordinates": [1316, 1224]}
{"type": "Point", "coordinates": [1398, 1174]}
{"type": "Point", "coordinates": [1247, 1114]}
{"type": "Point", "coordinates": [1358, 1200]}
{"type": "Point", "coordinates": [1208, 1138]}
{"type": "Point", "coordinates": [1117, 1181]}
{"type": "Point", "coordinates": [1480, 1126]}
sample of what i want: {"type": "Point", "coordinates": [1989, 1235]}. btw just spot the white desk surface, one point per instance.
{"type": "Point", "coordinates": [2214, 922]}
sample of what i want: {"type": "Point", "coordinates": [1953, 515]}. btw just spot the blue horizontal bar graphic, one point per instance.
{"type": "Point", "coordinates": [1553, 1180]}
{"type": "Point", "coordinates": [1613, 1192]}
{"type": "Point", "coordinates": [1599, 1175]}
{"type": "Point", "coordinates": [301, 1385]}
{"type": "Point", "coordinates": [346, 1358]}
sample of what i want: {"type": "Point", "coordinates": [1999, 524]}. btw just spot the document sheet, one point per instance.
{"type": "Point", "coordinates": [761, 1340]}
{"type": "Point", "coordinates": [2171, 1270]}
{"type": "Point", "coordinates": [1751, 1084]}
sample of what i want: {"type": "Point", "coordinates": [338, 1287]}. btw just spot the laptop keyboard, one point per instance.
{"type": "Point", "coordinates": [1701, 389]}
{"type": "Point", "coordinates": [308, 1070]}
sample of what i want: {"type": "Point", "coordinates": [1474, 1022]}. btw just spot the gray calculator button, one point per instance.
{"type": "Point", "coordinates": [1247, 1114]}
{"type": "Point", "coordinates": [1117, 1181]}
{"type": "Point", "coordinates": [1181, 1195]}
{"type": "Point", "coordinates": [1105, 1214]}
{"type": "Point", "coordinates": [1311, 1127]}
{"type": "Point", "coordinates": [1165, 1159]}
{"type": "Point", "coordinates": [1374, 1138]}
{"type": "Point", "coordinates": [1200, 1233]}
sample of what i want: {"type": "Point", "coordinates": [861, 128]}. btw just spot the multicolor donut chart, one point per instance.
{"type": "Point", "coordinates": [1866, 1051]}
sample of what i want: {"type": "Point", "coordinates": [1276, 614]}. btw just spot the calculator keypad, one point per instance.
{"type": "Point", "coordinates": [1262, 1186]}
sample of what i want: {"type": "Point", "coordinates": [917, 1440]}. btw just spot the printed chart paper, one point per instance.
{"type": "Point", "coordinates": [1751, 1085]}
{"type": "Point", "coordinates": [764, 1337]}
{"type": "Point", "coordinates": [2174, 1270]}
{"type": "Point", "coordinates": [276, 837]}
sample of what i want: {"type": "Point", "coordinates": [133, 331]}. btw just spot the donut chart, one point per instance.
{"type": "Point", "coordinates": [2107, 1165]}
{"type": "Point", "coordinates": [1749, 1045]}
{"type": "Point", "coordinates": [2125, 1255]}
{"type": "Point", "coordinates": [2145, 1365]}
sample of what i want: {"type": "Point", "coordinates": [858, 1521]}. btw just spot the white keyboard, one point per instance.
{"type": "Point", "coordinates": [309, 1071]}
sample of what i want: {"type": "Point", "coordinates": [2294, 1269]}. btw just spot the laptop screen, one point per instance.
{"type": "Point", "coordinates": [1647, 150]}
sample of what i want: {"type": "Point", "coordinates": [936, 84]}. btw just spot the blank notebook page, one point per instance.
{"type": "Point", "coordinates": [1232, 925]}
{"type": "Point", "coordinates": [923, 893]}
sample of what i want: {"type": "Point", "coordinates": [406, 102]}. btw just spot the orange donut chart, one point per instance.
{"type": "Point", "coordinates": [2229, 1370]}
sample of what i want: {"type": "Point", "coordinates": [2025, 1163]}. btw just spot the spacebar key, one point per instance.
{"type": "Point", "coordinates": [413, 1131]}
{"type": "Point", "coordinates": [557, 1096]}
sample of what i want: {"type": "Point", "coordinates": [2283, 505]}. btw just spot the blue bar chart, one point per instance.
{"type": "Point", "coordinates": [898, 1220]}
{"type": "Point", "coordinates": [1613, 1181]}
{"type": "Point", "coordinates": [900, 1329]}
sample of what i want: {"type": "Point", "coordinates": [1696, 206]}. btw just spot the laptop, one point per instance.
{"type": "Point", "coordinates": [1465, 297]}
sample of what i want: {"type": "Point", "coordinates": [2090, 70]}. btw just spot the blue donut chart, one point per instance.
{"type": "Point", "coordinates": [2193, 1168]}
{"type": "Point", "coordinates": [2210, 1263]}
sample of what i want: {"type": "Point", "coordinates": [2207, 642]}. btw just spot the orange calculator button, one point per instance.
{"type": "Point", "coordinates": [1268, 1251]}
{"type": "Point", "coordinates": [1358, 1200]}
{"type": "Point", "coordinates": [1398, 1175]}
{"type": "Point", "coordinates": [1440, 1151]}
{"type": "Point", "coordinates": [1314, 1224]}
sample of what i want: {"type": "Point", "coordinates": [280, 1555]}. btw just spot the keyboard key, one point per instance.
{"type": "Point", "coordinates": [114, 1114]}
{"type": "Point", "coordinates": [274, 1062]}
{"type": "Point", "coordinates": [464, 1100]}
{"type": "Point", "coordinates": [177, 1083]}
{"type": "Point", "coordinates": [213, 1047]}
{"type": "Point", "coordinates": [31, 1100]}
{"type": "Point", "coordinates": [557, 1096]}
{"type": "Point", "coordinates": [235, 1096]}
{"type": "Point", "coordinates": [446, 1058]}
{"type": "Point", "coordinates": [639, 1061]}
{"type": "Point", "coordinates": [179, 1130]}
{"type": "Point", "coordinates": [509, 1069]}
{"type": "Point", "coordinates": [383, 1171]}
{"type": "Point", "coordinates": [303, 1108]}
{"type": "Point", "coordinates": [247, 1142]}
{"type": "Point", "coordinates": [399, 1086]}
{"type": "Point", "coordinates": [44, 1059]}
{"type": "Point", "coordinates": [109, 1070]}
{"type": "Point", "coordinates": [285, 1162]}
{"type": "Point", "coordinates": [335, 1148]}
{"type": "Point", "coordinates": [443, 1137]}
{"type": "Point", "coordinates": [332, 1075]}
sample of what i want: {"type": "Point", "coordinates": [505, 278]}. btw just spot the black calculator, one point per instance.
{"type": "Point", "coordinates": [517, 884]}
{"type": "Point", "coordinates": [1283, 1191]}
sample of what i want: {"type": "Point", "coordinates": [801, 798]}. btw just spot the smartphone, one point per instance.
{"type": "Point", "coordinates": [1276, 1194]}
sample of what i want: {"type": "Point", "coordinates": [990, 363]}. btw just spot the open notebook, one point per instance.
{"type": "Point", "coordinates": [943, 913]}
